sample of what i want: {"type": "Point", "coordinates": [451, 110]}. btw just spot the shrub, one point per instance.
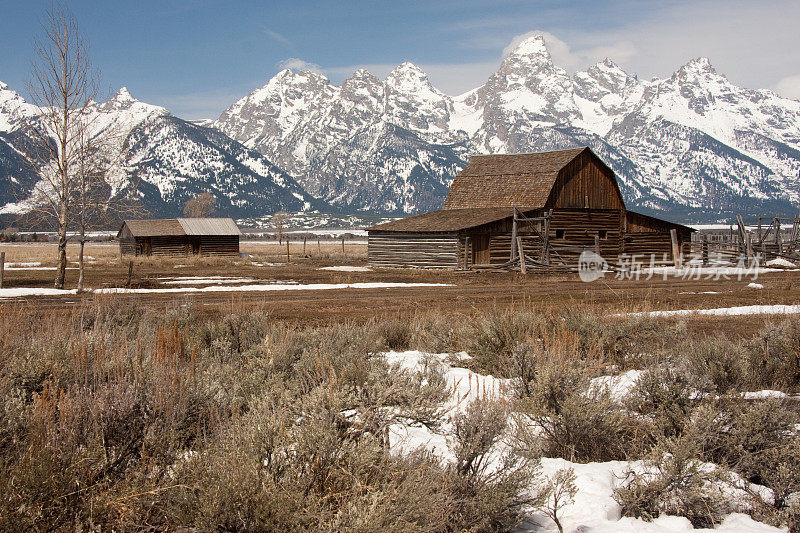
{"type": "Point", "coordinates": [664, 396]}
{"type": "Point", "coordinates": [571, 419]}
{"type": "Point", "coordinates": [674, 483]}
{"type": "Point", "coordinates": [774, 358]}
{"type": "Point", "coordinates": [716, 364]}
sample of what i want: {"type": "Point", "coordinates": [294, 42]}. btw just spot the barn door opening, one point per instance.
{"type": "Point", "coordinates": [480, 249]}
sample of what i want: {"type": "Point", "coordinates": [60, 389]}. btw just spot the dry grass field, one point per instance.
{"type": "Point", "coordinates": [176, 407]}
{"type": "Point", "coordinates": [461, 293]}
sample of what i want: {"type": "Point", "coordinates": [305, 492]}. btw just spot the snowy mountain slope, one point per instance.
{"type": "Point", "coordinates": [168, 159]}
{"type": "Point", "coordinates": [690, 143]}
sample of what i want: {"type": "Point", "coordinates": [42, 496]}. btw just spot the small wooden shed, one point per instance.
{"type": "Point", "coordinates": [554, 204]}
{"type": "Point", "coordinates": [179, 236]}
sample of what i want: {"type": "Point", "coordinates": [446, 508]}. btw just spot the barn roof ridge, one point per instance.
{"type": "Point", "coordinates": [503, 180]}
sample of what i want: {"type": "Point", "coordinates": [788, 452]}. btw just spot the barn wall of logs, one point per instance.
{"type": "Point", "coordinates": [413, 250]}
{"type": "Point", "coordinates": [571, 232]}
{"type": "Point", "coordinates": [219, 245]}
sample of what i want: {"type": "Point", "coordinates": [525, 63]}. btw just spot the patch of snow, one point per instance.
{"type": "Point", "coordinates": [346, 268]}
{"type": "Point", "coordinates": [755, 286]}
{"type": "Point", "coordinates": [22, 292]}
{"type": "Point", "coordinates": [781, 262]}
{"type": "Point", "coordinates": [30, 264]}
{"type": "Point", "coordinates": [269, 288]}
{"type": "Point", "coordinates": [594, 508]}
{"type": "Point", "coordinates": [618, 386]}
{"type": "Point", "coordinates": [727, 311]}
{"type": "Point", "coordinates": [765, 395]}
{"type": "Point", "coordinates": [206, 281]}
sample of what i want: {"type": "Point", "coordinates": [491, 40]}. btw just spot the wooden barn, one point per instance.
{"type": "Point", "coordinates": [547, 207]}
{"type": "Point", "coordinates": [179, 236]}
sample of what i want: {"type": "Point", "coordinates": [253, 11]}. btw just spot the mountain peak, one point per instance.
{"type": "Point", "coordinates": [699, 65]}
{"type": "Point", "coordinates": [408, 77]}
{"type": "Point", "coordinates": [124, 95]}
{"type": "Point", "coordinates": [3, 86]}
{"type": "Point", "coordinates": [363, 74]}
{"type": "Point", "coordinates": [533, 46]}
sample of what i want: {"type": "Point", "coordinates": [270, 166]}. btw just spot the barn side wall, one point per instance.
{"type": "Point", "coordinates": [648, 235]}
{"type": "Point", "coordinates": [219, 245]}
{"type": "Point", "coordinates": [571, 232]}
{"type": "Point", "coordinates": [414, 250]}
{"type": "Point", "coordinates": [178, 245]}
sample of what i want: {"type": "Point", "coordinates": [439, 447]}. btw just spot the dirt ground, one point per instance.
{"type": "Point", "coordinates": [464, 293]}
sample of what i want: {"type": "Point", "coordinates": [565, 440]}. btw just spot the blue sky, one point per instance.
{"type": "Point", "coordinates": [196, 57]}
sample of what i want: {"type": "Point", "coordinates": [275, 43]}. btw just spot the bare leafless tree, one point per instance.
{"type": "Point", "coordinates": [200, 206]}
{"type": "Point", "coordinates": [278, 222]}
{"type": "Point", "coordinates": [63, 85]}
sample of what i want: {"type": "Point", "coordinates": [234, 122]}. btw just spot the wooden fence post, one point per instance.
{"type": "Point", "coordinates": [2, 267]}
{"type": "Point", "coordinates": [287, 250]}
{"type": "Point", "coordinates": [523, 266]}
{"type": "Point", "coordinates": [514, 249]}
{"type": "Point", "coordinates": [676, 252]}
{"type": "Point", "coordinates": [304, 246]}
{"type": "Point", "coordinates": [130, 274]}
{"type": "Point", "coordinates": [342, 244]}
{"type": "Point", "coordinates": [319, 248]}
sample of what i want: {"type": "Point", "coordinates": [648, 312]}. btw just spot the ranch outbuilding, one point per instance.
{"type": "Point", "coordinates": [544, 207]}
{"type": "Point", "coordinates": [179, 236]}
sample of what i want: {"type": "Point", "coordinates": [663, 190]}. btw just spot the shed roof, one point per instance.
{"type": "Point", "coordinates": [173, 227]}
{"type": "Point", "coordinates": [209, 226]}
{"type": "Point", "coordinates": [446, 220]}
{"type": "Point", "coordinates": [634, 215]}
{"type": "Point", "coordinates": [508, 180]}
{"type": "Point", "coordinates": [154, 228]}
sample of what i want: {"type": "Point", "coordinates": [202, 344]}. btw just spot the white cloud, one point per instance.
{"type": "Point", "coordinates": [789, 87]}
{"type": "Point", "coordinates": [275, 36]}
{"type": "Point", "coordinates": [299, 65]}
{"type": "Point", "coordinates": [564, 56]}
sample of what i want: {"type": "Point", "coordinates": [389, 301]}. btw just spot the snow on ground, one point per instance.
{"type": "Point", "coordinates": [618, 386]}
{"type": "Point", "coordinates": [24, 265]}
{"type": "Point", "coordinates": [207, 280]}
{"type": "Point", "coordinates": [726, 311]}
{"type": "Point", "coordinates": [781, 262]}
{"type": "Point", "coordinates": [269, 287]}
{"type": "Point", "coordinates": [593, 508]}
{"type": "Point", "coordinates": [755, 285]}
{"type": "Point", "coordinates": [764, 395]}
{"type": "Point", "coordinates": [346, 268]}
{"type": "Point", "coordinates": [21, 292]}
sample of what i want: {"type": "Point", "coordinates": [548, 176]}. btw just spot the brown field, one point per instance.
{"type": "Point", "coordinates": [467, 292]}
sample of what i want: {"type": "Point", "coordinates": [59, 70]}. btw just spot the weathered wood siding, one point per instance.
{"type": "Point", "coordinates": [127, 242]}
{"type": "Point", "coordinates": [586, 183]}
{"type": "Point", "coordinates": [646, 235]}
{"type": "Point", "coordinates": [571, 232]}
{"type": "Point", "coordinates": [415, 250]}
{"type": "Point", "coordinates": [168, 246]}
{"type": "Point", "coordinates": [219, 245]}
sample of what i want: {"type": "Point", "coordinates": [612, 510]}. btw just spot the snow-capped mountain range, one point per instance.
{"type": "Point", "coordinates": [692, 145]}
{"type": "Point", "coordinates": [168, 159]}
